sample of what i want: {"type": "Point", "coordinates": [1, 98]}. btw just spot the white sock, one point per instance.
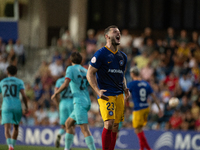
{"type": "Point", "coordinates": [10, 145]}
{"type": "Point", "coordinates": [66, 149]}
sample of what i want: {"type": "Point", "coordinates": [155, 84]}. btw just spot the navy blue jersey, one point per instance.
{"type": "Point", "coordinates": [110, 74]}
{"type": "Point", "coordinates": [140, 90]}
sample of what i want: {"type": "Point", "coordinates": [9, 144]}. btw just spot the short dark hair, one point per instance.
{"type": "Point", "coordinates": [108, 29]}
{"type": "Point", "coordinates": [76, 57]}
{"type": "Point", "coordinates": [12, 70]}
{"type": "Point", "coordinates": [135, 71]}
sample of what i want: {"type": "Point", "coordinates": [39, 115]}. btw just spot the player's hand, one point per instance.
{"type": "Point", "coordinates": [102, 96]}
{"type": "Point", "coordinates": [127, 94]}
{"type": "Point", "coordinates": [53, 96]}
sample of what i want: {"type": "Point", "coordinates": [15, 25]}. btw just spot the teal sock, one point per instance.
{"type": "Point", "coordinates": [68, 140]}
{"type": "Point", "coordinates": [8, 141]}
{"type": "Point", "coordinates": [61, 131]}
{"type": "Point", "coordinates": [13, 141]}
{"type": "Point", "coordinates": [90, 142]}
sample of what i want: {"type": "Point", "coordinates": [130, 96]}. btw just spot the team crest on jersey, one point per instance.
{"type": "Point", "coordinates": [110, 113]}
{"type": "Point", "coordinates": [121, 62]}
{"type": "Point", "coordinates": [93, 60]}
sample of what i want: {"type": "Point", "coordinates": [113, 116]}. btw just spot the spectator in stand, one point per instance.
{"type": "Point", "coordinates": [101, 41]}
{"type": "Point", "coordinates": [189, 120]}
{"type": "Point", "coordinates": [138, 43]}
{"type": "Point", "coordinates": [3, 65]}
{"type": "Point", "coordinates": [37, 91]}
{"type": "Point", "coordinates": [126, 41]}
{"type": "Point", "coordinates": [12, 58]}
{"type": "Point", "coordinates": [2, 46]}
{"type": "Point", "coordinates": [53, 116]}
{"type": "Point", "coordinates": [149, 47]}
{"type": "Point", "coordinates": [195, 70]}
{"type": "Point", "coordinates": [171, 81]}
{"type": "Point", "coordinates": [67, 40]}
{"type": "Point", "coordinates": [183, 37]}
{"type": "Point", "coordinates": [30, 92]}
{"type": "Point", "coordinates": [40, 115]}
{"type": "Point", "coordinates": [59, 46]}
{"type": "Point", "coordinates": [56, 69]}
{"type": "Point", "coordinates": [185, 105]}
{"type": "Point", "coordinates": [170, 35]}
{"type": "Point", "coordinates": [194, 94]}
{"type": "Point", "coordinates": [147, 34]}
{"type": "Point", "coordinates": [186, 82]}
{"type": "Point", "coordinates": [43, 70]}
{"type": "Point", "coordinates": [147, 72]}
{"type": "Point", "coordinates": [91, 42]}
{"type": "Point", "coordinates": [56, 56]}
{"type": "Point", "coordinates": [195, 110]}
{"type": "Point", "coordinates": [19, 51]}
{"type": "Point", "coordinates": [183, 51]}
{"type": "Point", "coordinates": [45, 98]}
{"type": "Point", "coordinates": [197, 124]}
{"type": "Point", "coordinates": [9, 46]}
{"type": "Point", "coordinates": [176, 120]}
{"type": "Point", "coordinates": [195, 37]}
{"type": "Point", "coordinates": [159, 46]}
{"type": "Point", "coordinates": [141, 60]}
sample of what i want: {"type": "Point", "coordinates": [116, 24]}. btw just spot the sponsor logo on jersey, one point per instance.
{"type": "Point", "coordinates": [93, 60]}
{"type": "Point", "coordinates": [115, 71]}
{"type": "Point", "coordinates": [110, 113]}
{"type": "Point", "coordinates": [109, 62]}
{"type": "Point", "coordinates": [121, 62]}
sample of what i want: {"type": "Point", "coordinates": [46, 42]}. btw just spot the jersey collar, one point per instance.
{"type": "Point", "coordinates": [111, 50]}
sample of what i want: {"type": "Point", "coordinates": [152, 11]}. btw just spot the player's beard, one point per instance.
{"type": "Point", "coordinates": [114, 43]}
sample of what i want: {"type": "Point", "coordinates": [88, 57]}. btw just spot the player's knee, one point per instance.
{"type": "Point", "coordinates": [115, 128]}
{"type": "Point", "coordinates": [109, 124]}
{"type": "Point", "coordinates": [16, 127]}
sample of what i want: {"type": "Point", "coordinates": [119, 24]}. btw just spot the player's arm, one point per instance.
{"type": "Point", "coordinates": [56, 99]}
{"type": "Point", "coordinates": [25, 99]}
{"type": "Point", "coordinates": [157, 103]}
{"type": "Point", "coordinates": [62, 87]}
{"type": "Point", "coordinates": [91, 77]}
{"type": "Point", "coordinates": [126, 90]}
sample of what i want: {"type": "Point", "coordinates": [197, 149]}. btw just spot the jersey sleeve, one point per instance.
{"type": "Point", "coordinates": [129, 86]}
{"type": "Point", "coordinates": [125, 61]}
{"type": "Point", "coordinates": [150, 90]}
{"type": "Point", "coordinates": [21, 85]}
{"type": "Point", "coordinates": [69, 73]}
{"type": "Point", "coordinates": [96, 60]}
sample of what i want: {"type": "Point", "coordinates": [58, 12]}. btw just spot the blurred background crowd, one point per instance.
{"type": "Point", "coordinates": [170, 64]}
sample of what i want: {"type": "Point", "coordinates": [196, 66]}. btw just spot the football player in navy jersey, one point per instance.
{"type": "Point", "coordinates": [140, 90]}
{"type": "Point", "coordinates": [106, 76]}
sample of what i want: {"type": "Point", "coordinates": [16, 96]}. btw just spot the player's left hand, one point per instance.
{"type": "Point", "coordinates": [127, 94]}
{"type": "Point", "coordinates": [53, 96]}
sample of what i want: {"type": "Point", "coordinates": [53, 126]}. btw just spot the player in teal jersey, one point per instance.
{"type": "Point", "coordinates": [76, 77]}
{"type": "Point", "coordinates": [66, 107]}
{"type": "Point", "coordinates": [11, 110]}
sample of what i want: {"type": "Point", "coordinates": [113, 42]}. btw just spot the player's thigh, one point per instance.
{"type": "Point", "coordinates": [17, 116]}
{"type": "Point", "coordinates": [140, 117]}
{"type": "Point", "coordinates": [119, 112]}
{"type": "Point", "coordinates": [7, 116]}
{"type": "Point", "coordinates": [107, 108]}
{"type": "Point", "coordinates": [80, 114]}
{"type": "Point", "coordinates": [64, 112]}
